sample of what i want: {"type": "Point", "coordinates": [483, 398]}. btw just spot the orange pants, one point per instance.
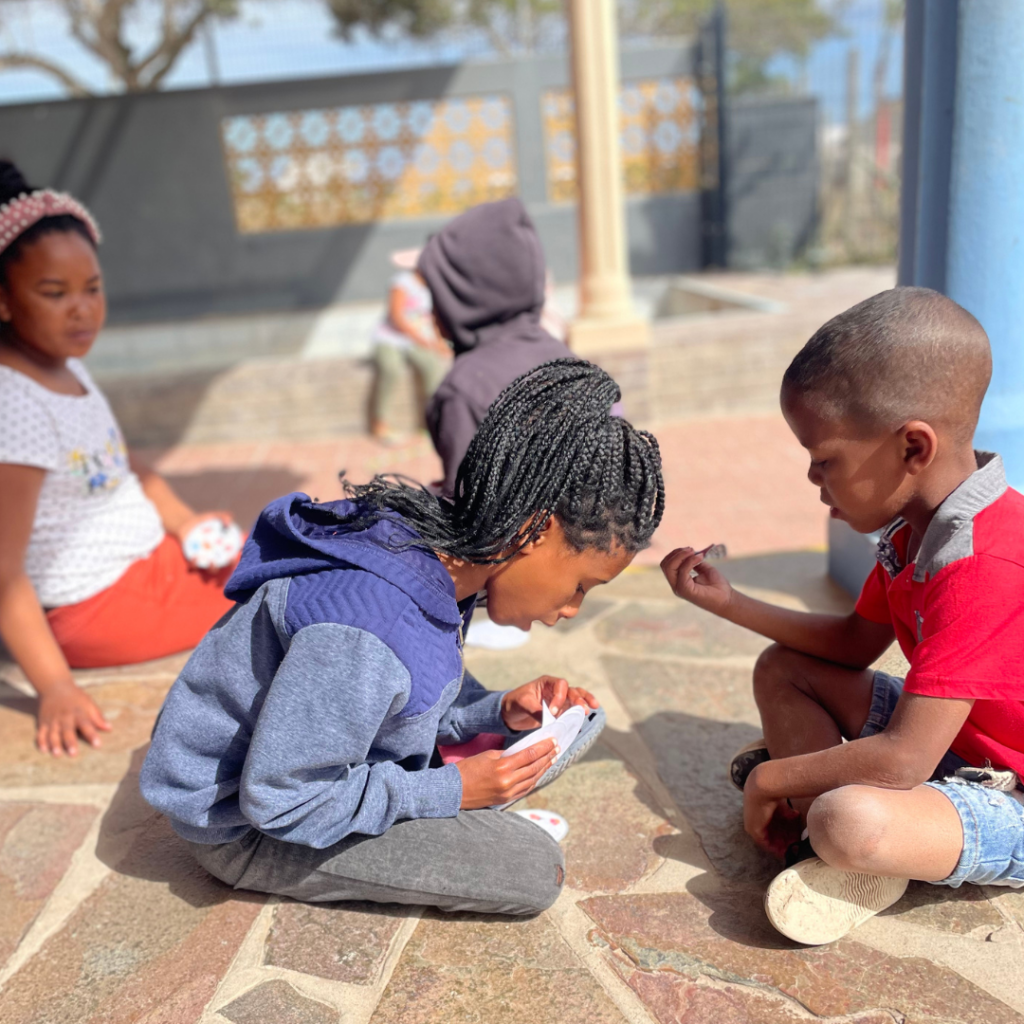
{"type": "Point", "coordinates": [160, 606]}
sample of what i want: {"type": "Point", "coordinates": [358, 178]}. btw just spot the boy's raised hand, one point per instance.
{"type": "Point", "coordinates": [521, 707]}
{"type": "Point", "coordinates": [489, 778]}
{"type": "Point", "coordinates": [709, 589]}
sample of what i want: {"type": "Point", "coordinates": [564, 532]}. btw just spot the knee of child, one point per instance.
{"type": "Point", "coordinates": [773, 668]}
{"type": "Point", "coordinates": [847, 827]}
{"type": "Point", "coordinates": [543, 882]}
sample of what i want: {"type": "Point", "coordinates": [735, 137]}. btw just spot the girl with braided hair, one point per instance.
{"type": "Point", "coordinates": [92, 571]}
{"type": "Point", "coordinates": [297, 752]}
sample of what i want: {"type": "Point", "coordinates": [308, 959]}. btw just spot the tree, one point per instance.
{"type": "Point", "coordinates": [759, 30]}
{"type": "Point", "coordinates": [101, 27]}
{"type": "Point", "coordinates": [510, 26]}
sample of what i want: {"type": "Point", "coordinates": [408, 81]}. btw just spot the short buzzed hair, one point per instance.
{"type": "Point", "coordinates": [903, 354]}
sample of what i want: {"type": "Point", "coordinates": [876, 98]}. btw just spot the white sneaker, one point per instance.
{"type": "Point", "coordinates": [489, 635]}
{"type": "Point", "coordinates": [812, 903]}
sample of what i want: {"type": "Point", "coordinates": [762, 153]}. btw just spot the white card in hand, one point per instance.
{"type": "Point", "coordinates": [563, 729]}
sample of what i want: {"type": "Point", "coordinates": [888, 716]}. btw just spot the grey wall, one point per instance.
{"type": "Point", "coordinates": [152, 170]}
{"type": "Point", "coordinates": [772, 179]}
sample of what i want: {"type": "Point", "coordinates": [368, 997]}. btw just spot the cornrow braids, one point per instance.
{"type": "Point", "coordinates": [548, 446]}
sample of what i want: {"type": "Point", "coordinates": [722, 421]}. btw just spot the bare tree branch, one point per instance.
{"type": "Point", "coordinates": [169, 48]}
{"type": "Point", "coordinates": [29, 60]}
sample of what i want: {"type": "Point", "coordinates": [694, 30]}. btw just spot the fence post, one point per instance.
{"type": "Point", "coordinates": [713, 79]}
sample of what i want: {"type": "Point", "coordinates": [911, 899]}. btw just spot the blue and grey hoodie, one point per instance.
{"type": "Point", "coordinates": [312, 709]}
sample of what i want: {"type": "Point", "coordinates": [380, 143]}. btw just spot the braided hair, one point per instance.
{"type": "Point", "coordinates": [12, 185]}
{"type": "Point", "coordinates": [548, 446]}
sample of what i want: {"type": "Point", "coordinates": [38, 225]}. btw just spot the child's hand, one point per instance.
{"type": "Point", "coordinates": [520, 708]}
{"type": "Point", "coordinates": [709, 589]}
{"type": "Point", "coordinates": [489, 778]}
{"type": "Point", "coordinates": [770, 822]}
{"type": "Point", "coordinates": [64, 712]}
{"type": "Point", "coordinates": [187, 526]}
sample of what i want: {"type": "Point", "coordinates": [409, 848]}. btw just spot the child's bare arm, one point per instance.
{"type": "Point", "coordinates": [902, 756]}
{"type": "Point", "coordinates": [177, 517]}
{"type": "Point", "coordinates": [64, 709]}
{"type": "Point", "coordinates": [848, 640]}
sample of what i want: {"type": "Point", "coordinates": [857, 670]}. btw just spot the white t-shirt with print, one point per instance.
{"type": "Point", "coordinates": [417, 304]}
{"type": "Point", "coordinates": [93, 519]}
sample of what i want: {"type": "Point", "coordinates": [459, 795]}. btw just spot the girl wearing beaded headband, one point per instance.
{"type": "Point", "coordinates": [92, 571]}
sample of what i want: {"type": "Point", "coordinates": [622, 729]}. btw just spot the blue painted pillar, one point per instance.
{"type": "Point", "coordinates": [985, 255]}
{"type": "Point", "coordinates": [962, 205]}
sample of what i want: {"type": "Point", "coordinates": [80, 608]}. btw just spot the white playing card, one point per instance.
{"type": "Point", "coordinates": [563, 729]}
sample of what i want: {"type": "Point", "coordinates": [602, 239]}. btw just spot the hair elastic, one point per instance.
{"type": "Point", "coordinates": [18, 215]}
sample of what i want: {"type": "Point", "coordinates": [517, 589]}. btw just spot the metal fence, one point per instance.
{"type": "Point", "coordinates": [853, 67]}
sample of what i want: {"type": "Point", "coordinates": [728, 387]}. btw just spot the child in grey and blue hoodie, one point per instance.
{"type": "Point", "coordinates": [296, 752]}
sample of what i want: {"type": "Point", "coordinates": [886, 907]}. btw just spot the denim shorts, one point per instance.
{"type": "Point", "coordinates": [993, 821]}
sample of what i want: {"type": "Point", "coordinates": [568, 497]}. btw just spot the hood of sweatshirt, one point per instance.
{"type": "Point", "coordinates": [295, 536]}
{"type": "Point", "coordinates": [486, 274]}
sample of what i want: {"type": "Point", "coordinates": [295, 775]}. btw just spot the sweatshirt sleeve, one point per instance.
{"type": "Point", "coordinates": [452, 426]}
{"type": "Point", "coordinates": [475, 710]}
{"type": "Point", "coordinates": [306, 777]}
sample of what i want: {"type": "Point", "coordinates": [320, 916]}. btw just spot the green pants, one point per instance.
{"type": "Point", "coordinates": [429, 367]}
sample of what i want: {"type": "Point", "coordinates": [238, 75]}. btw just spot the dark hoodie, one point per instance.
{"type": "Point", "coordinates": [311, 711]}
{"type": "Point", "coordinates": [485, 271]}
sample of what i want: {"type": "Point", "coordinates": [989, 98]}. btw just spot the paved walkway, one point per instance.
{"type": "Point", "coordinates": [739, 480]}
{"type": "Point", "coordinates": [106, 919]}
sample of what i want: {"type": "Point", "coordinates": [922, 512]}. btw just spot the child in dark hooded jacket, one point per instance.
{"type": "Point", "coordinates": [486, 274]}
{"type": "Point", "coordinates": [296, 752]}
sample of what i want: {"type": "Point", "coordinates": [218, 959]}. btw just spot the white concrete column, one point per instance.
{"type": "Point", "coordinates": [607, 320]}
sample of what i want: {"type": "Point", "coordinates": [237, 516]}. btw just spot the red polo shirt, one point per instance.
{"type": "Point", "coordinates": [958, 611]}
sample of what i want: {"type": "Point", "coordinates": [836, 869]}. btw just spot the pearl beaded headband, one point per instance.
{"type": "Point", "coordinates": [18, 215]}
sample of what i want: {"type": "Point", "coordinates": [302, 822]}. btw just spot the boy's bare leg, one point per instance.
{"type": "Point", "coordinates": [807, 704]}
{"type": "Point", "coordinates": [912, 833]}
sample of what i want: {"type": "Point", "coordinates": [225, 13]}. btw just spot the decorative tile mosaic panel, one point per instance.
{"type": "Point", "coordinates": [659, 140]}
{"type": "Point", "coordinates": [352, 165]}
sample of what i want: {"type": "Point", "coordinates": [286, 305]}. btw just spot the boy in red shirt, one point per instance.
{"type": "Point", "coordinates": [885, 398]}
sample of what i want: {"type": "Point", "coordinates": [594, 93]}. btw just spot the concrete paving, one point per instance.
{"type": "Point", "coordinates": [106, 919]}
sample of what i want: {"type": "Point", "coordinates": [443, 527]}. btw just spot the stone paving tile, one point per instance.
{"type": "Point", "coordinates": [723, 938]}
{"type": "Point", "coordinates": [149, 945]}
{"type": "Point", "coordinates": [491, 971]}
{"type": "Point", "coordinates": [693, 717]}
{"type": "Point", "coordinates": [131, 707]}
{"type": "Point", "coordinates": [639, 582]}
{"type": "Point", "coordinates": [673, 999]}
{"type": "Point", "coordinates": [799, 574]}
{"type": "Point", "coordinates": [338, 941]}
{"type": "Point", "coordinates": [505, 670]}
{"type": "Point", "coordinates": [679, 629]}
{"type": "Point", "coordinates": [149, 671]}
{"type": "Point", "coordinates": [612, 824]}
{"type": "Point", "coordinates": [276, 1002]}
{"type": "Point", "coordinates": [37, 842]}
{"type": "Point", "coordinates": [592, 608]}
{"type": "Point", "coordinates": [938, 908]}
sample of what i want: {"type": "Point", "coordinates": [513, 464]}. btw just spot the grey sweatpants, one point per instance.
{"type": "Point", "coordinates": [484, 861]}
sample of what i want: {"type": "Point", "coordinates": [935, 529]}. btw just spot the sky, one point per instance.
{"type": "Point", "coordinates": [281, 39]}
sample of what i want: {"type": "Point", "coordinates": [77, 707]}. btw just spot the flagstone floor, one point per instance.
{"type": "Point", "coordinates": [106, 919]}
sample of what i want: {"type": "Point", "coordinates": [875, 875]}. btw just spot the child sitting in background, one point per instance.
{"type": "Point", "coordinates": [296, 752]}
{"type": "Point", "coordinates": [92, 572]}
{"type": "Point", "coordinates": [406, 335]}
{"type": "Point", "coordinates": [885, 398]}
